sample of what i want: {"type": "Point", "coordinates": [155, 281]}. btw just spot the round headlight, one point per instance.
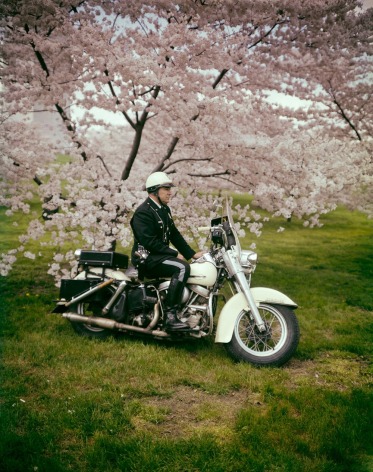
{"type": "Point", "coordinates": [253, 258]}
{"type": "Point", "coordinates": [248, 260]}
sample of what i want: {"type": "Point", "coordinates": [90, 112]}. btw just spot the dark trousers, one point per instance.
{"type": "Point", "coordinates": [173, 267]}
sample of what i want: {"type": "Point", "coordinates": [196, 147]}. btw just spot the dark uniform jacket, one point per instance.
{"type": "Point", "coordinates": [154, 229]}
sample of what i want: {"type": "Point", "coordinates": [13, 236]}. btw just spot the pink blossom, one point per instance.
{"type": "Point", "coordinates": [228, 96]}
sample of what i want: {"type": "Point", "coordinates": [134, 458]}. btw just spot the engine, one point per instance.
{"type": "Point", "coordinates": [194, 304]}
{"type": "Point", "coordinates": [140, 302]}
{"type": "Point", "coordinates": [140, 305]}
{"type": "Point", "coordinates": [195, 312]}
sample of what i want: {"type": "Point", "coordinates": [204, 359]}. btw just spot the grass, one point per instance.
{"type": "Point", "coordinates": [127, 404]}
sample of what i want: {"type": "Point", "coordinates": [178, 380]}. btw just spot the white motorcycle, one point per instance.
{"type": "Point", "coordinates": [256, 325]}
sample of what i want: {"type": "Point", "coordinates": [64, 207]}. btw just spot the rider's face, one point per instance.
{"type": "Point", "coordinates": [164, 195]}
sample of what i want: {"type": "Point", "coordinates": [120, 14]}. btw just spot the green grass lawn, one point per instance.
{"type": "Point", "coordinates": [126, 404]}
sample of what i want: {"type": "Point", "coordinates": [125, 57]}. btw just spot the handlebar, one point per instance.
{"type": "Point", "coordinates": [204, 228]}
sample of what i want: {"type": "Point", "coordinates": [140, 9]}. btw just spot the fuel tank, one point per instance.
{"type": "Point", "coordinates": [203, 272]}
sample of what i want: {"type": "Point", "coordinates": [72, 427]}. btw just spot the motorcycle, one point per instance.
{"type": "Point", "coordinates": [256, 325]}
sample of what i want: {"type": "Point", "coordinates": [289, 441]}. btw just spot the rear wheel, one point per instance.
{"type": "Point", "coordinates": [92, 309]}
{"type": "Point", "coordinates": [272, 347]}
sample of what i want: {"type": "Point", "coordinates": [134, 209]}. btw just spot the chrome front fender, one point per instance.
{"type": "Point", "coordinates": [238, 303]}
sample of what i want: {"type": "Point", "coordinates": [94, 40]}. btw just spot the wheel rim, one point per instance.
{"type": "Point", "coordinates": [85, 309]}
{"type": "Point", "coordinates": [266, 343]}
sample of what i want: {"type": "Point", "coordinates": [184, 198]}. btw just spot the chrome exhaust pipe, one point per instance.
{"type": "Point", "coordinates": [112, 324]}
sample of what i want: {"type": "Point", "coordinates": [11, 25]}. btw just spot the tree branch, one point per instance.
{"type": "Point", "coordinates": [219, 175]}
{"type": "Point", "coordinates": [168, 154]}
{"type": "Point", "coordinates": [186, 159]}
{"type": "Point", "coordinates": [117, 101]}
{"type": "Point", "coordinates": [139, 127]}
{"type": "Point", "coordinates": [40, 59]}
{"type": "Point", "coordinates": [266, 34]}
{"type": "Point", "coordinates": [342, 112]}
{"type": "Point", "coordinates": [214, 174]}
{"type": "Point", "coordinates": [219, 78]}
{"type": "Point", "coordinates": [224, 71]}
{"type": "Point", "coordinates": [104, 164]}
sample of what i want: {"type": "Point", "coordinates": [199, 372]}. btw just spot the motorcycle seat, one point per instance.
{"type": "Point", "coordinates": [132, 273]}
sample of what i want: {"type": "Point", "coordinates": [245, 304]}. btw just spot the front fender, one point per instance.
{"type": "Point", "coordinates": [238, 303]}
{"type": "Point", "coordinates": [269, 295]}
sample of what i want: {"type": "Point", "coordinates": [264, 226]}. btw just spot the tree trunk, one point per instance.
{"type": "Point", "coordinates": [134, 151]}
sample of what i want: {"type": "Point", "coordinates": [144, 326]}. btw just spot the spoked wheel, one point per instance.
{"type": "Point", "coordinates": [272, 347]}
{"type": "Point", "coordinates": [91, 309]}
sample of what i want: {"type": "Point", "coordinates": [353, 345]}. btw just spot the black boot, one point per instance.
{"type": "Point", "coordinates": [172, 303]}
{"type": "Point", "coordinates": [172, 321]}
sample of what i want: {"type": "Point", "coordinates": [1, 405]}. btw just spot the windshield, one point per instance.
{"type": "Point", "coordinates": [233, 228]}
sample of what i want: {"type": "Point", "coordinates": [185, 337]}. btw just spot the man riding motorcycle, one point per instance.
{"type": "Point", "coordinates": [154, 230]}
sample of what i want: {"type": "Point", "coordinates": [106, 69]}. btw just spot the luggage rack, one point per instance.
{"type": "Point", "coordinates": [101, 259]}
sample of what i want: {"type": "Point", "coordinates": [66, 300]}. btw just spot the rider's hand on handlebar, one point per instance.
{"type": "Point", "coordinates": [199, 254]}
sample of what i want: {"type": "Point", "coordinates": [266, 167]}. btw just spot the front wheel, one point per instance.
{"type": "Point", "coordinates": [272, 347]}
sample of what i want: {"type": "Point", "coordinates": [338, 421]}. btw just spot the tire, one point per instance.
{"type": "Point", "coordinates": [271, 348]}
{"type": "Point", "coordinates": [91, 309]}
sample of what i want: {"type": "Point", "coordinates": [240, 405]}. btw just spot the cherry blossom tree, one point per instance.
{"type": "Point", "coordinates": [188, 85]}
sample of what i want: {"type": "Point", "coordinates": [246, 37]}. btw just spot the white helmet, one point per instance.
{"type": "Point", "coordinates": [156, 181]}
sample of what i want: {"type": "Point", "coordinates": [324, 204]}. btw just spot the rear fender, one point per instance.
{"type": "Point", "coordinates": [109, 273]}
{"type": "Point", "coordinates": [238, 303]}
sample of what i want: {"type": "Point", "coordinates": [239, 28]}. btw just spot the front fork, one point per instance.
{"type": "Point", "coordinates": [235, 270]}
